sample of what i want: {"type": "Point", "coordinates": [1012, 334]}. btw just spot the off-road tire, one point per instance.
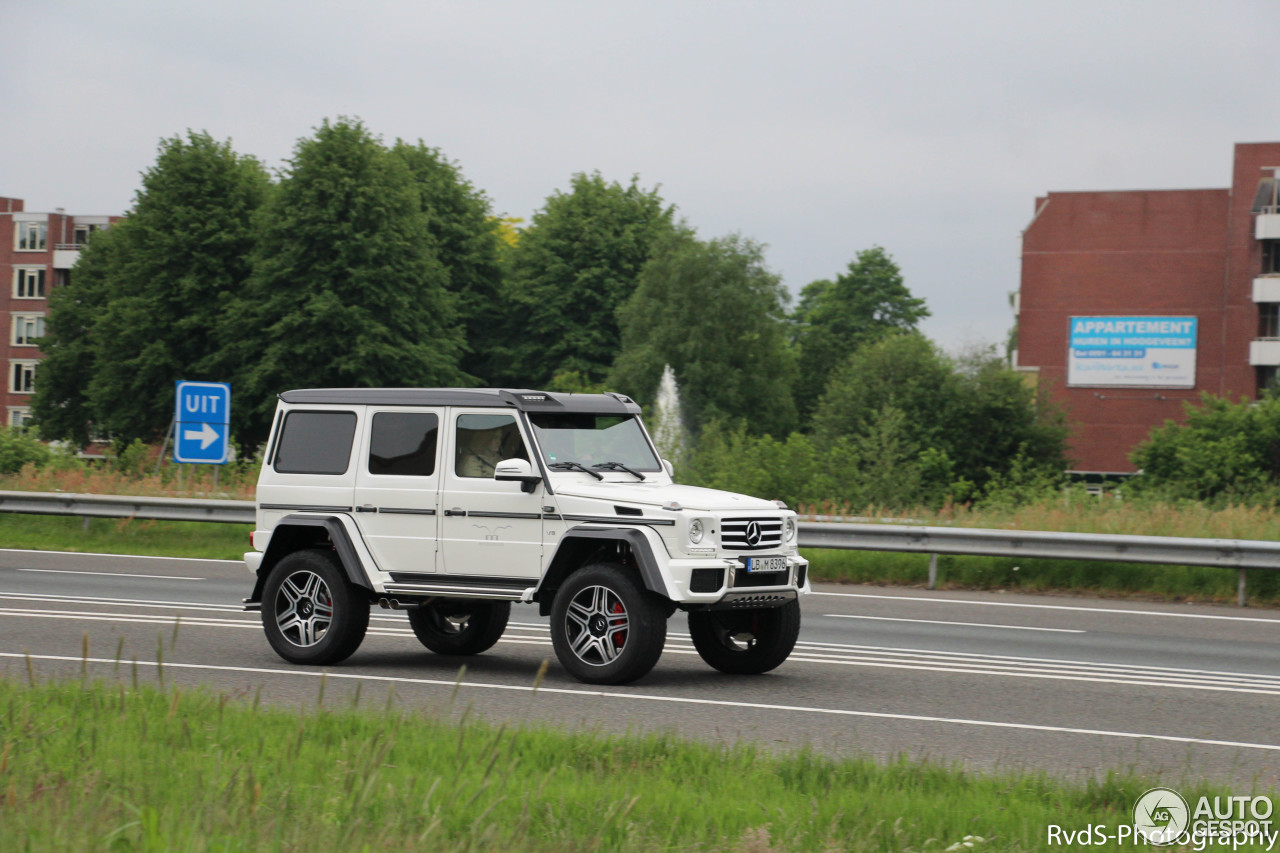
{"type": "Point", "coordinates": [310, 612]}
{"type": "Point", "coordinates": [746, 642]}
{"type": "Point", "coordinates": [606, 628]}
{"type": "Point", "coordinates": [459, 626]}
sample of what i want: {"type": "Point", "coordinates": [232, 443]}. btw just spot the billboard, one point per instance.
{"type": "Point", "coordinates": [1132, 352]}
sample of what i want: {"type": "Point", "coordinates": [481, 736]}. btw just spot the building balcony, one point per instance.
{"type": "Point", "coordinates": [65, 255]}
{"type": "Point", "coordinates": [1266, 288]}
{"type": "Point", "coordinates": [1267, 226]}
{"type": "Point", "coordinates": [1264, 352]}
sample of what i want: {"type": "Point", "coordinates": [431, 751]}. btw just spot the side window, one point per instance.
{"type": "Point", "coordinates": [483, 442]}
{"type": "Point", "coordinates": [404, 444]}
{"type": "Point", "coordinates": [315, 443]}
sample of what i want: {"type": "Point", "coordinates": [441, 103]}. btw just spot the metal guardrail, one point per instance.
{"type": "Point", "coordinates": [127, 506]}
{"type": "Point", "coordinates": [1239, 554]}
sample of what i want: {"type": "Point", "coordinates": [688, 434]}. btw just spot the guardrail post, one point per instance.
{"type": "Point", "coordinates": [933, 571]}
{"type": "Point", "coordinates": [1242, 600]}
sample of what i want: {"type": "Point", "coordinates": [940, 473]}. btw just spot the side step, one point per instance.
{"type": "Point", "coordinates": [503, 589]}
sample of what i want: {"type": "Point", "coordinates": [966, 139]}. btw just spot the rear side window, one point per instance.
{"type": "Point", "coordinates": [315, 443]}
{"type": "Point", "coordinates": [404, 444]}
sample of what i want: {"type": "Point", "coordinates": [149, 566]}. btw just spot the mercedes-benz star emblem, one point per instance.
{"type": "Point", "coordinates": [753, 533]}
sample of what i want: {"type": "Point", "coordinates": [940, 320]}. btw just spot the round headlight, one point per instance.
{"type": "Point", "coordinates": [695, 531]}
{"type": "Point", "coordinates": [790, 527]}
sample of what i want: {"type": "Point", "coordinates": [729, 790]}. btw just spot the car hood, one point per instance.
{"type": "Point", "coordinates": [657, 494]}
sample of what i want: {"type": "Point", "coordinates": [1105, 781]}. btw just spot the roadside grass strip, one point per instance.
{"type": "Point", "coordinates": [87, 765]}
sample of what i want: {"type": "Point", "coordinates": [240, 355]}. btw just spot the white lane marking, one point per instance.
{"type": "Point", "coordinates": [110, 574]}
{"type": "Point", "coordinates": [969, 624]}
{"type": "Point", "coordinates": [239, 563]}
{"type": "Point", "coordinates": [870, 656]}
{"type": "Point", "coordinates": [675, 700]}
{"type": "Point", "coordinates": [111, 602]}
{"type": "Point", "coordinates": [908, 599]}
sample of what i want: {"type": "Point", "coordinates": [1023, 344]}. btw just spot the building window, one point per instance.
{"type": "Point", "coordinates": [32, 236]}
{"type": "Point", "coordinates": [1270, 257]}
{"type": "Point", "coordinates": [1269, 319]}
{"type": "Point", "coordinates": [1266, 374]}
{"type": "Point", "coordinates": [82, 233]}
{"type": "Point", "coordinates": [19, 418]}
{"type": "Point", "coordinates": [22, 379]}
{"type": "Point", "coordinates": [28, 283]}
{"type": "Point", "coordinates": [26, 328]}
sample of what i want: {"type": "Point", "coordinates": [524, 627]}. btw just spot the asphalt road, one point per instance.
{"type": "Point", "coordinates": [1072, 686]}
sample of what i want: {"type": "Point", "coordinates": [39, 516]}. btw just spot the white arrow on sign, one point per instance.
{"type": "Point", "coordinates": [206, 434]}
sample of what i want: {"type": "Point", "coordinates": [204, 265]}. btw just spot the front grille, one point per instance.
{"type": "Point", "coordinates": [750, 534]}
{"type": "Point", "coordinates": [742, 578]}
{"type": "Point", "coordinates": [706, 580]}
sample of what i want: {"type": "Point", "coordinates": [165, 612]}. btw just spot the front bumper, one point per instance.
{"type": "Point", "coordinates": [725, 582]}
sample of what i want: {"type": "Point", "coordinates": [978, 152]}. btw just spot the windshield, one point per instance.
{"type": "Point", "coordinates": [593, 440]}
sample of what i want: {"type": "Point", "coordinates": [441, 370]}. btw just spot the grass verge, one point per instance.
{"type": "Point", "coordinates": [147, 537]}
{"type": "Point", "coordinates": [94, 766]}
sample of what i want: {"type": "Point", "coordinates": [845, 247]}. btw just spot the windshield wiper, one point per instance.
{"type": "Point", "coordinates": [618, 466]}
{"type": "Point", "coordinates": [576, 466]}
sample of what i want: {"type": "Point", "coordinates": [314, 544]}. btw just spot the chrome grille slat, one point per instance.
{"type": "Point", "coordinates": [735, 533]}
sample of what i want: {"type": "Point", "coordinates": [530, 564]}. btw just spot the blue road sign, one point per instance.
{"type": "Point", "coordinates": [202, 423]}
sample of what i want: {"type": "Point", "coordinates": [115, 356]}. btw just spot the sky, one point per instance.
{"type": "Point", "coordinates": [817, 128]}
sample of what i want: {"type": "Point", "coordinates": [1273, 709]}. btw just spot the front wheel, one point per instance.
{"type": "Point", "coordinates": [460, 626]}
{"type": "Point", "coordinates": [605, 626]}
{"type": "Point", "coordinates": [310, 613]}
{"type": "Point", "coordinates": [746, 642]}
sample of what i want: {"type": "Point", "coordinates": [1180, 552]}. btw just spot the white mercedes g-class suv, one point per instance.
{"type": "Point", "coordinates": [451, 504]}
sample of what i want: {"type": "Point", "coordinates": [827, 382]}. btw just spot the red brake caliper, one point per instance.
{"type": "Point", "coordinates": [621, 636]}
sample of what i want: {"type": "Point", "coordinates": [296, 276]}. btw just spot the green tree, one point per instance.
{"type": "Point", "coordinates": [570, 271]}
{"type": "Point", "coordinates": [969, 420]}
{"type": "Point", "coordinates": [835, 319]}
{"type": "Point", "coordinates": [716, 314]}
{"type": "Point", "coordinates": [1224, 451]}
{"type": "Point", "coordinates": [468, 238]}
{"type": "Point", "coordinates": [347, 287]}
{"type": "Point", "coordinates": [148, 295]}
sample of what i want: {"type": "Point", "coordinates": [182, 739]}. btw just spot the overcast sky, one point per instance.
{"type": "Point", "coordinates": [820, 129]}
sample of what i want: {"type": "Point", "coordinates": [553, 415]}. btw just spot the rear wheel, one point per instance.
{"type": "Point", "coordinates": [746, 642]}
{"type": "Point", "coordinates": [606, 627]}
{"type": "Point", "coordinates": [460, 626]}
{"type": "Point", "coordinates": [310, 612]}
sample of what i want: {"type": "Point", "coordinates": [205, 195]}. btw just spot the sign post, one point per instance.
{"type": "Point", "coordinates": [202, 423]}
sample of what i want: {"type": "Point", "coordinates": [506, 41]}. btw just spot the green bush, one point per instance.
{"type": "Point", "coordinates": [19, 448]}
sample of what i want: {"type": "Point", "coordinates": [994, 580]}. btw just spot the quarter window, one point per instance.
{"type": "Point", "coordinates": [404, 444]}
{"type": "Point", "coordinates": [28, 283]}
{"type": "Point", "coordinates": [315, 443]}
{"type": "Point", "coordinates": [26, 328]}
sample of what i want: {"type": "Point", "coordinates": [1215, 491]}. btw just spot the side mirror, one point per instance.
{"type": "Point", "coordinates": [517, 470]}
{"type": "Point", "coordinates": [669, 468]}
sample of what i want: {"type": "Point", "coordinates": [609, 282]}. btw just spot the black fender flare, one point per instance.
{"type": "Point", "coordinates": [297, 531]}
{"type": "Point", "coordinates": [646, 562]}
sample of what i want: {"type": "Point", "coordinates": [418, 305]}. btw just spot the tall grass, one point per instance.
{"type": "Point", "coordinates": [94, 766]}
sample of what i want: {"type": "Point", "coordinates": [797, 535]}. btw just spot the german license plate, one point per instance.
{"type": "Point", "coordinates": [766, 564]}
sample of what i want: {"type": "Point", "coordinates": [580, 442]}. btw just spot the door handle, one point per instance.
{"type": "Point", "coordinates": [455, 511]}
{"type": "Point", "coordinates": [367, 508]}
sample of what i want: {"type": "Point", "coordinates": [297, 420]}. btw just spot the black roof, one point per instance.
{"type": "Point", "coordinates": [498, 398]}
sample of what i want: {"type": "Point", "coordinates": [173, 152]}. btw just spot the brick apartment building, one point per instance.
{"type": "Point", "coordinates": [1133, 302]}
{"type": "Point", "coordinates": [37, 251]}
